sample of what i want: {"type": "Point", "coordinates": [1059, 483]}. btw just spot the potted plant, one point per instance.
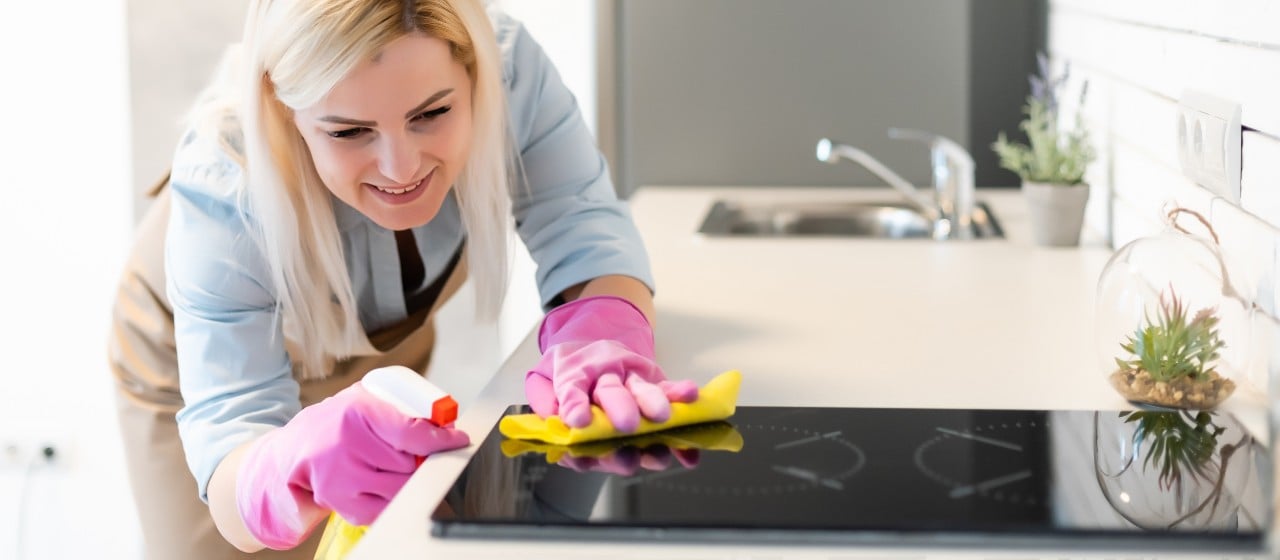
{"type": "Point", "coordinates": [1053, 162]}
{"type": "Point", "coordinates": [1171, 359]}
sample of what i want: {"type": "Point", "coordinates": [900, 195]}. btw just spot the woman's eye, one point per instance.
{"type": "Point", "coordinates": [351, 133]}
{"type": "Point", "coordinates": [428, 115]}
{"type": "Point", "coordinates": [346, 133]}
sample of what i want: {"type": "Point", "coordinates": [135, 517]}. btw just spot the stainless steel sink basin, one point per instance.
{"type": "Point", "coordinates": [875, 220]}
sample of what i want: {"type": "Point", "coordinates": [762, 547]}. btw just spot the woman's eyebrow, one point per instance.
{"type": "Point", "coordinates": [344, 120]}
{"type": "Point", "coordinates": [421, 106]}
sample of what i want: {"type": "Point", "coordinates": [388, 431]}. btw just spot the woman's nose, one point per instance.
{"type": "Point", "coordinates": [399, 161]}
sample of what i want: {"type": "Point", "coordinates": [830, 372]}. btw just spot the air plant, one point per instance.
{"type": "Point", "coordinates": [1171, 347]}
{"type": "Point", "coordinates": [1178, 441]}
{"type": "Point", "coordinates": [1180, 445]}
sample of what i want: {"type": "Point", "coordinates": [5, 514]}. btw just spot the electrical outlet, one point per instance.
{"type": "Point", "coordinates": [23, 451]}
{"type": "Point", "coordinates": [1209, 143]}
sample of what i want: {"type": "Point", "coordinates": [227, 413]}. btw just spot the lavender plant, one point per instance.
{"type": "Point", "coordinates": [1051, 155]}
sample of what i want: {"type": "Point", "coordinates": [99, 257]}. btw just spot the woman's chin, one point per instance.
{"type": "Point", "coordinates": [402, 219]}
{"type": "Point", "coordinates": [406, 217]}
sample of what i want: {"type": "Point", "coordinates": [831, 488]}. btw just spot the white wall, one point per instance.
{"type": "Point", "coordinates": [1139, 56]}
{"type": "Point", "coordinates": [64, 226]}
{"type": "Point", "coordinates": [173, 48]}
{"type": "Point", "coordinates": [566, 30]}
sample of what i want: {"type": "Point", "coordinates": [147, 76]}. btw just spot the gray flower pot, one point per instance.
{"type": "Point", "coordinates": [1057, 212]}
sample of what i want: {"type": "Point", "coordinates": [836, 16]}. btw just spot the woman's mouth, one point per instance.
{"type": "Point", "coordinates": [392, 190]}
{"type": "Point", "coordinates": [401, 194]}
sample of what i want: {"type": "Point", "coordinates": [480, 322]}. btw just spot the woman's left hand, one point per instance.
{"type": "Point", "coordinates": [599, 350]}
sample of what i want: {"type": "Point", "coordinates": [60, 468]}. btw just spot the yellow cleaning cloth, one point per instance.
{"type": "Point", "coordinates": [713, 436]}
{"type": "Point", "coordinates": [338, 539]}
{"type": "Point", "coordinates": [716, 401]}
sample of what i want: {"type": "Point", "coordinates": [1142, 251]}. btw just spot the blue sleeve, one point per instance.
{"type": "Point", "coordinates": [566, 209]}
{"type": "Point", "coordinates": [234, 372]}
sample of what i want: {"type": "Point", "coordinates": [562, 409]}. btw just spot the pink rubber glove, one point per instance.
{"type": "Point", "coordinates": [600, 350]}
{"type": "Point", "coordinates": [629, 460]}
{"type": "Point", "coordinates": [350, 453]}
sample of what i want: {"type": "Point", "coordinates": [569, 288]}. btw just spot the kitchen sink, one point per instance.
{"type": "Point", "coordinates": [873, 220]}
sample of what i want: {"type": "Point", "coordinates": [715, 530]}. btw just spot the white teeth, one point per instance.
{"type": "Point", "coordinates": [399, 191]}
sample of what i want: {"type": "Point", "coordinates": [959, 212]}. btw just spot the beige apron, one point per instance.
{"type": "Point", "coordinates": [175, 523]}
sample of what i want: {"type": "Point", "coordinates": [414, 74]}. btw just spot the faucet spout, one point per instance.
{"type": "Point", "coordinates": [831, 152]}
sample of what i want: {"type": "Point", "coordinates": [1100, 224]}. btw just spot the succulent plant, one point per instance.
{"type": "Point", "coordinates": [1184, 448]}
{"type": "Point", "coordinates": [1171, 346]}
{"type": "Point", "coordinates": [1177, 441]}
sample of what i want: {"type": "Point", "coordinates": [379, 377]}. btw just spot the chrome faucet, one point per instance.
{"type": "Point", "coordinates": [952, 205]}
{"type": "Point", "coordinates": [952, 179]}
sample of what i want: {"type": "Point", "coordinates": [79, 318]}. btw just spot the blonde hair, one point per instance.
{"type": "Point", "coordinates": [293, 53]}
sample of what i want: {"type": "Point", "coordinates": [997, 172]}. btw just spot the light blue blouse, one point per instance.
{"type": "Point", "coordinates": [236, 379]}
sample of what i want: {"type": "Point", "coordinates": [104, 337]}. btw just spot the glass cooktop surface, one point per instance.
{"type": "Point", "coordinates": [882, 476]}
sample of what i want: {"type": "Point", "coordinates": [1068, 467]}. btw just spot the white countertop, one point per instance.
{"type": "Point", "coordinates": [819, 322]}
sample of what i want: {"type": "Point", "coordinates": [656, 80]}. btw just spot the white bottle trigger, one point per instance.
{"type": "Point", "coordinates": [411, 394]}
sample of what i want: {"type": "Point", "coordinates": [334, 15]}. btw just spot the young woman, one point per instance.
{"type": "Point", "coordinates": [351, 168]}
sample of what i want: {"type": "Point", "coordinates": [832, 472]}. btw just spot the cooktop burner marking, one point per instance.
{"type": "Point", "coordinates": [787, 459]}
{"type": "Point", "coordinates": [810, 439]}
{"type": "Point", "coordinates": [987, 489]}
{"type": "Point", "coordinates": [995, 442]}
{"type": "Point", "coordinates": [962, 491]}
{"type": "Point", "coordinates": [808, 476]}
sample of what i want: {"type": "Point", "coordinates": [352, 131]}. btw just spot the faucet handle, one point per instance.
{"type": "Point", "coordinates": [912, 134]}
{"type": "Point", "coordinates": [950, 148]}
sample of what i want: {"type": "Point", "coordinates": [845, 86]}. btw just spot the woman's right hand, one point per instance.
{"type": "Point", "coordinates": [350, 453]}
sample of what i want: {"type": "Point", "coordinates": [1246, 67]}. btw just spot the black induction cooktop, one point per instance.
{"type": "Point", "coordinates": [882, 476]}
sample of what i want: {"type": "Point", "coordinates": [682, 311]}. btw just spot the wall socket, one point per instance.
{"type": "Point", "coordinates": [1209, 143]}
{"type": "Point", "coordinates": [22, 451]}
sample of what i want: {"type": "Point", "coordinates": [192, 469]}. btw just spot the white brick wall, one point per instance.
{"type": "Point", "coordinates": [1139, 56]}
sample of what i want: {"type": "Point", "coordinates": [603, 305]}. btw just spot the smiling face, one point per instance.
{"type": "Point", "coordinates": [392, 136]}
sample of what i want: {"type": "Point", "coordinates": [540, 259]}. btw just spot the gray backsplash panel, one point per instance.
{"type": "Point", "coordinates": [737, 92]}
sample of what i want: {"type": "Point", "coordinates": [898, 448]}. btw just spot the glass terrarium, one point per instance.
{"type": "Point", "coordinates": [1175, 469]}
{"type": "Point", "coordinates": [1172, 326]}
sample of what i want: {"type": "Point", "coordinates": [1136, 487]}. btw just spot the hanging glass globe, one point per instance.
{"type": "Point", "coordinates": [1173, 470]}
{"type": "Point", "coordinates": [1172, 329]}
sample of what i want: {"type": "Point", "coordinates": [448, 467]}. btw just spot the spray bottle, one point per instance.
{"type": "Point", "coordinates": [413, 396]}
